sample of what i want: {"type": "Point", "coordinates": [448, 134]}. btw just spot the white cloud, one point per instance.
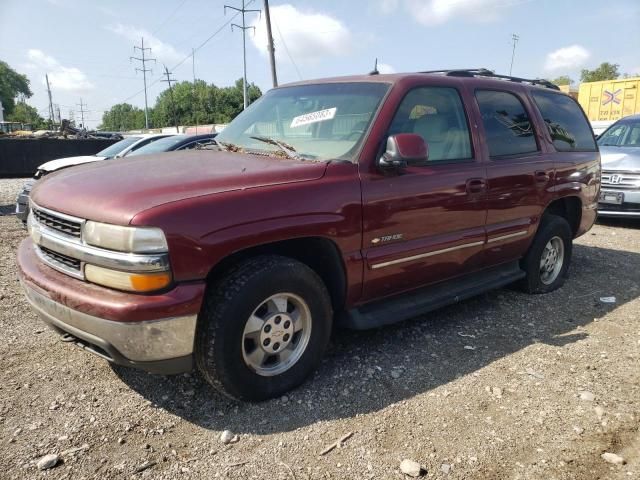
{"type": "Point", "coordinates": [567, 58]}
{"type": "Point", "coordinates": [436, 12]}
{"type": "Point", "coordinates": [164, 52]}
{"type": "Point", "coordinates": [386, 68]}
{"type": "Point", "coordinates": [308, 36]}
{"type": "Point", "coordinates": [70, 79]}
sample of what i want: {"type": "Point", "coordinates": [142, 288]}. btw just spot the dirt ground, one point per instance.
{"type": "Point", "coordinates": [503, 386]}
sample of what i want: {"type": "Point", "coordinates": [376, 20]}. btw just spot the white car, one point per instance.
{"type": "Point", "coordinates": [119, 149]}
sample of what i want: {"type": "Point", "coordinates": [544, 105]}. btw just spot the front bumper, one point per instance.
{"type": "Point", "coordinates": [152, 333]}
{"type": "Point", "coordinates": [629, 208]}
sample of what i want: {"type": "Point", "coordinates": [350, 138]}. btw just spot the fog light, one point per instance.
{"type": "Point", "coordinates": [132, 282]}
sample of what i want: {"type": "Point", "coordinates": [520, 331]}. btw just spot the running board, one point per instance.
{"type": "Point", "coordinates": [424, 300]}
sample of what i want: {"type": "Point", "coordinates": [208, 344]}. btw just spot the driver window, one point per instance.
{"type": "Point", "coordinates": [437, 115]}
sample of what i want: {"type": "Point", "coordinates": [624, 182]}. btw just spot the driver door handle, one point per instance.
{"type": "Point", "coordinates": [476, 185]}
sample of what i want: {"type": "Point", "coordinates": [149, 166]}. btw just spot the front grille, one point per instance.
{"type": "Point", "coordinates": [57, 223]}
{"type": "Point", "coordinates": [60, 260]}
{"type": "Point", "coordinates": [622, 180]}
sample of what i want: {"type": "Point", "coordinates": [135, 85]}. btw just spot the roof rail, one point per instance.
{"type": "Point", "coordinates": [484, 72]}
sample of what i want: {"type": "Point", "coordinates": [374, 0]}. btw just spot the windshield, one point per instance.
{"type": "Point", "coordinates": [161, 145]}
{"type": "Point", "coordinates": [116, 148]}
{"type": "Point", "coordinates": [621, 134]}
{"type": "Point", "coordinates": [320, 122]}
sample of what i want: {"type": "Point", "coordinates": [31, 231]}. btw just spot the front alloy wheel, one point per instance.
{"type": "Point", "coordinates": [263, 328]}
{"type": "Point", "coordinates": [276, 334]}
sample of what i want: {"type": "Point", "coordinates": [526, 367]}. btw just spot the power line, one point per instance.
{"type": "Point", "coordinates": [286, 49]}
{"type": "Point", "coordinates": [207, 40]}
{"type": "Point", "coordinates": [144, 71]}
{"type": "Point", "coordinates": [244, 29]}
{"type": "Point", "coordinates": [169, 17]}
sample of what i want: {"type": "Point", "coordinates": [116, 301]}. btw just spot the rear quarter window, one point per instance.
{"type": "Point", "coordinates": [506, 123]}
{"type": "Point", "coordinates": [565, 121]}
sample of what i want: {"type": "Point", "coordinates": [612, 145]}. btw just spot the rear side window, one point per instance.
{"type": "Point", "coordinates": [506, 123]}
{"type": "Point", "coordinates": [566, 123]}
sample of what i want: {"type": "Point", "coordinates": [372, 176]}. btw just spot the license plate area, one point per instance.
{"type": "Point", "coordinates": [615, 198]}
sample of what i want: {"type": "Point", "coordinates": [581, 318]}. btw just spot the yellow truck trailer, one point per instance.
{"type": "Point", "coordinates": [610, 99]}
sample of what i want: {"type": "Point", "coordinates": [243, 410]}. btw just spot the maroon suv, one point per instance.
{"type": "Point", "coordinates": [357, 201]}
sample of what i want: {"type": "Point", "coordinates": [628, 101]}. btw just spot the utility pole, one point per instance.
{"type": "Point", "coordinates": [173, 107]}
{"type": "Point", "coordinates": [82, 111]}
{"type": "Point", "coordinates": [144, 71]}
{"type": "Point", "coordinates": [244, 29]}
{"type": "Point", "coordinates": [50, 102]}
{"type": "Point", "coordinates": [272, 51]}
{"type": "Point", "coordinates": [514, 39]}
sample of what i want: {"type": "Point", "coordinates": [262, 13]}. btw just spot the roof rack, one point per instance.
{"type": "Point", "coordinates": [484, 72]}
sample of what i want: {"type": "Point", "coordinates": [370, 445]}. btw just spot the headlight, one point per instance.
{"type": "Point", "coordinates": [125, 239]}
{"type": "Point", "coordinates": [132, 282]}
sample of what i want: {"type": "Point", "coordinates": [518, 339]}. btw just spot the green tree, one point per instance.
{"type": "Point", "coordinates": [606, 71]}
{"type": "Point", "coordinates": [12, 84]}
{"type": "Point", "coordinates": [203, 104]}
{"type": "Point", "coordinates": [562, 80]}
{"type": "Point", "coordinates": [122, 117]}
{"type": "Point", "coordinates": [24, 113]}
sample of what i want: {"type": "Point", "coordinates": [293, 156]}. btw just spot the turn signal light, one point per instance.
{"type": "Point", "coordinates": [132, 282]}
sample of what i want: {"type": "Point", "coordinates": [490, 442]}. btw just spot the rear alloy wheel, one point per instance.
{"type": "Point", "coordinates": [263, 328]}
{"type": "Point", "coordinates": [552, 260]}
{"type": "Point", "coordinates": [547, 260]}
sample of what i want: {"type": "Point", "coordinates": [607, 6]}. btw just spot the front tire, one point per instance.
{"type": "Point", "coordinates": [547, 260]}
{"type": "Point", "coordinates": [263, 328]}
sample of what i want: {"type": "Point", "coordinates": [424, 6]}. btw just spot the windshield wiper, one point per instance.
{"type": "Point", "coordinates": [228, 147]}
{"type": "Point", "coordinates": [287, 149]}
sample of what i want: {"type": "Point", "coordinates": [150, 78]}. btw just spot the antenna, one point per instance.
{"type": "Point", "coordinates": [375, 68]}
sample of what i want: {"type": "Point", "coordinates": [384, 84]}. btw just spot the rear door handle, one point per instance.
{"type": "Point", "coordinates": [476, 185]}
{"type": "Point", "coordinates": [542, 176]}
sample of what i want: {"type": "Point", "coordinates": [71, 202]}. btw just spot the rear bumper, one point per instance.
{"type": "Point", "coordinates": [150, 332]}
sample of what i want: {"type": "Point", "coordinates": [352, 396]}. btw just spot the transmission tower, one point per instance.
{"type": "Point", "coordinates": [82, 112]}
{"type": "Point", "coordinates": [514, 40]}
{"type": "Point", "coordinates": [244, 29]}
{"type": "Point", "coordinates": [143, 60]}
{"type": "Point", "coordinates": [173, 108]}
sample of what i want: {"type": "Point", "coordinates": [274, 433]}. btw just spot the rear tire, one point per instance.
{"type": "Point", "coordinates": [263, 328]}
{"type": "Point", "coordinates": [547, 260]}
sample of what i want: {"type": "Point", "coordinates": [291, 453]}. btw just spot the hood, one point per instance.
{"type": "Point", "coordinates": [117, 190]}
{"type": "Point", "coordinates": [624, 159]}
{"type": "Point", "coordinates": [53, 165]}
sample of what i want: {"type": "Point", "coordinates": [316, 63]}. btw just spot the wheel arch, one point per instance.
{"type": "Point", "coordinates": [320, 254]}
{"type": "Point", "coordinates": [569, 208]}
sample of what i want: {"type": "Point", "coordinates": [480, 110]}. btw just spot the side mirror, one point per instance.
{"type": "Point", "coordinates": [403, 150]}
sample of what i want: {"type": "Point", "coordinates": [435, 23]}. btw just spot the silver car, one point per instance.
{"type": "Point", "coordinates": [620, 152]}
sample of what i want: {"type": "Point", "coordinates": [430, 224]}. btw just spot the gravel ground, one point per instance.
{"type": "Point", "coordinates": [502, 386]}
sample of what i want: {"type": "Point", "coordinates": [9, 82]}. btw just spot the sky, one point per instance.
{"type": "Point", "coordinates": [85, 46]}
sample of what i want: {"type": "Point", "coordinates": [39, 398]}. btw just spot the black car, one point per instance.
{"type": "Point", "coordinates": [175, 142]}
